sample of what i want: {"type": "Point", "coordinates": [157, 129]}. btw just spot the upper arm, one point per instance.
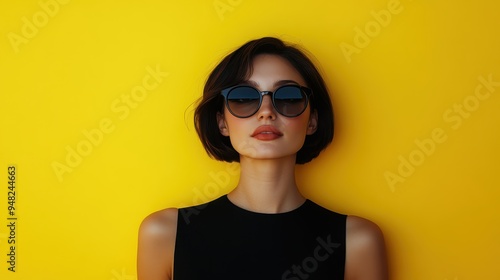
{"type": "Point", "coordinates": [366, 257]}
{"type": "Point", "coordinates": [155, 252]}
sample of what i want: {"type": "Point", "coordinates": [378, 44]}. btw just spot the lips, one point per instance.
{"type": "Point", "coordinates": [266, 133]}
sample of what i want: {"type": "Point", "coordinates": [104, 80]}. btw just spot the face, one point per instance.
{"type": "Point", "coordinates": [267, 134]}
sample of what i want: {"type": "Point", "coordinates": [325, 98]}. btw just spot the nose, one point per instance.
{"type": "Point", "coordinates": [266, 110]}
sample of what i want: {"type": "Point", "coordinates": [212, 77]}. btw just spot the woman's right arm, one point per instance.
{"type": "Point", "coordinates": [155, 253]}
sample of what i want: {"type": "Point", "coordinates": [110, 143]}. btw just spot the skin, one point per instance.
{"type": "Point", "coordinates": [267, 183]}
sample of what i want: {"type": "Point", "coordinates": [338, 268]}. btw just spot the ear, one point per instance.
{"type": "Point", "coordinates": [221, 122]}
{"type": "Point", "coordinates": [312, 126]}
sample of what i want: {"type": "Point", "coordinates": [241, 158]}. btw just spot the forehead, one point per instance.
{"type": "Point", "coordinates": [269, 69]}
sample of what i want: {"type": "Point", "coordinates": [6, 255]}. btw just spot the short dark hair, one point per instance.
{"type": "Point", "coordinates": [234, 69]}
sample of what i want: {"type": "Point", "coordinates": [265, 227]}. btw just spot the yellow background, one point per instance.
{"type": "Point", "coordinates": [440, 223]}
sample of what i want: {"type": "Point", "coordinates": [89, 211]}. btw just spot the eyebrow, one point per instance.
{"type": "Point", "coordinates": [276, 84]}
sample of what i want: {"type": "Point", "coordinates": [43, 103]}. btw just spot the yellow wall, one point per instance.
{"type": "Point", "coordinates": [416, 89]}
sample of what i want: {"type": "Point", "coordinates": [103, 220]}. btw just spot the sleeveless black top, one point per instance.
{"type": "Point", "coordinates": [221, 241]}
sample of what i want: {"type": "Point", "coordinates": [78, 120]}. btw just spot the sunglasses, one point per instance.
{"type": "Point", "coordinates": [289, 100]}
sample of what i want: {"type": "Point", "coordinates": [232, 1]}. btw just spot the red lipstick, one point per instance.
{"type": "Point", "coordinates": [266, 133]}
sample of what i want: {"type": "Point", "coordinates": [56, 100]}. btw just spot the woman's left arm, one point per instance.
{"type": "Point", "coordinates": [366, 257]}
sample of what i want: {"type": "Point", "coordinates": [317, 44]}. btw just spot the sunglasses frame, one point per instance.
{"type": "Point", "coordinates": [307, 92]}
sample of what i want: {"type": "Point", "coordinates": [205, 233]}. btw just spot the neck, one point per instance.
{"type": "Point", "coordinates": [267, 186]}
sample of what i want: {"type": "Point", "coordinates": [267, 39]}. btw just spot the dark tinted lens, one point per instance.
{"type": "Point", "coordinates": [290, 101]}
{"type": "Point", "coordinates": [243, 101]}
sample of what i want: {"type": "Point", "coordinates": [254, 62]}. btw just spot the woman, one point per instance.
{"type": "Point", "coordinates": [266, 106]}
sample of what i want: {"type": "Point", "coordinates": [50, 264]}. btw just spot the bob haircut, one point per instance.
{"type": "Point", "coordinates": [234, 69]}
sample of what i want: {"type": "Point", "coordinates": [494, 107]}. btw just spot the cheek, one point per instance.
{"type": "Point", "coordinates": [237, 128]}
{"type": "Point", "coordinates": [232, 122]}
{"type": "Point", "coordinates": [298, 124]}
{"type": "Point", "coordinates": [239, 136]}
{"type": "Point", "coordinates": [297, 128]}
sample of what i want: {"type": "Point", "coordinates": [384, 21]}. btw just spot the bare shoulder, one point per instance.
{"type": "Point", "coordinates": [156, 245]}
{"type": "Point", "coordinates": [365, 248]}
{"type": "Point", "coordinates": [159, 224]}
{"type": "Point", "coordinates": [363, 230]}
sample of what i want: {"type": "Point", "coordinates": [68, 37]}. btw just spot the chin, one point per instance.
{"type": "Point", "coordinates": [271, 156]}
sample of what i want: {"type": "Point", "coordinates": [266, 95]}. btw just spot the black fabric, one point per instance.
{"type": "Point", "coordinates": [219, 240]}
